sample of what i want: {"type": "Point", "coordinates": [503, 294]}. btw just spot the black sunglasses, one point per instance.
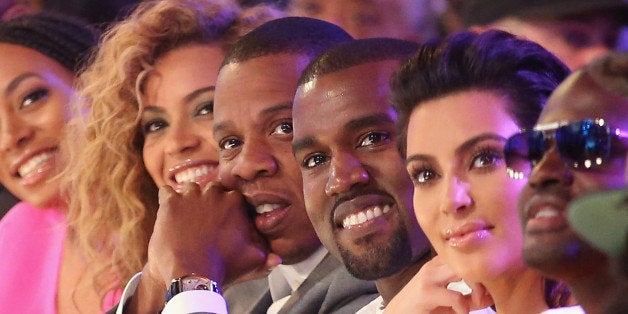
{"type": "Point", "coordinates": [581, 144]}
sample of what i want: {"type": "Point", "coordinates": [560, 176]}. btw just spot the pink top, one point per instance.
{"type": "Point", "coordinates": [31, 243]}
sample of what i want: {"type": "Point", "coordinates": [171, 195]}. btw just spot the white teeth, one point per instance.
{"type": "Point", "coordinates": [266, 208]}
{"type": "Point", "coordinates": [547, 213]}
{"type": "Point", "coordinates": [377, 212]}
{"type": "Point", "coordinates": [364, 216]}
{"type": "Point", "coordinates": [369, 214]}
{"type": "Point", "coordinates": [386, 208]}
{"type": "Point", "coordinates": [33, 163]}
{"type": "Point", "coordinates": [361, 217]}
{"type": "Point", "coordinates": [192, 174]}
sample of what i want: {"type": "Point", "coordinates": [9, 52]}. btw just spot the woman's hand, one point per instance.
{"type": "Point", "coordinates": [427, 293]}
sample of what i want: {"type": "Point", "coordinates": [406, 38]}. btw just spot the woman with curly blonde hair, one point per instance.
{"type": "Point", "coordinates": [145, 121]}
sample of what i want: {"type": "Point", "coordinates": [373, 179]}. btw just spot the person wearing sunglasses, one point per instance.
{"type": "Point", "coordinates": [578, 146]}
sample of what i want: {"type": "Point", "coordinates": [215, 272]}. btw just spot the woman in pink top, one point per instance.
{"type": "Point", "coordinates": [42, 269]}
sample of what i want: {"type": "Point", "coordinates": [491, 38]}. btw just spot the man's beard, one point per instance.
{"type": "Point", "coordinates": [380, 262]}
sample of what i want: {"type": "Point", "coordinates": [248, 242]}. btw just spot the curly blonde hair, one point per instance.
{"type": "Point", "coordinates": [112, 200]}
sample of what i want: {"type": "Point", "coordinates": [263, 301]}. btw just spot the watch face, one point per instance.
{"type": "Point", "coordinates": [195, 283]}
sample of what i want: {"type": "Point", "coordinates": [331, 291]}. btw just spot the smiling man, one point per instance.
{"type": "Point", "coordinates": [357, 193]}
{"type": "Point", "coordinates": [578, 146]}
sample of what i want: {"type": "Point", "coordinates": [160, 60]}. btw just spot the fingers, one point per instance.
{"type": "Point", "coordinates": [480, 298]}
{"type": "Point", "coordinates": [272, 260]}
{"type": "Point", "coordinates": [431, 284]}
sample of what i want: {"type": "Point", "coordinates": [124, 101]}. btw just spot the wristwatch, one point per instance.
{"type": "Point", "coordinates": [191, 282]}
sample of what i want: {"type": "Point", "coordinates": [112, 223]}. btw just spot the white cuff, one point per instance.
{"type": "Point", "coordinates": [129, 291]}
{"type": "Point", "coordinates": [195, 301]}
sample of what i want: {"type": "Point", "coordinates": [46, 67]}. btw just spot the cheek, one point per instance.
{"type": "Point", "coordinates": [56, 119]}
{"type": "Point", "coordinates": [292, 170]}
{"type": "Point", "coordinates": [224, 173]}
{"type": "Point", "coordinates": [426, 211]}
{"type": "Point", "coordinates": [504, 205]}
{"type": "Point", "coordinates": [313, 198]}
{"type": "Point", "coordinates": [612, 177]}
{"type": "Point", "coordinates": [151, 159]}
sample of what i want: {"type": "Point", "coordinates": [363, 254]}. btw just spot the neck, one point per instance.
{"type": "Point", "coordinates": [590, 279]}
{"type": "Point", "coordinates": [594, 290]}
{"type": "Point", "coordinates": [518, 292]}
{"type": "Point", "coordinates": [389, 286]}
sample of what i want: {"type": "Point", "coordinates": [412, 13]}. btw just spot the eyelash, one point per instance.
{"type": "Point", "coordinates": [496, 155]}
{"type": "Point", "coordinates": [34, 96]}
{"type": "Point", "coordinates": [279, 125]}
{"type": "Point", "coordinates": [306, 160]}
{"type": "Point", "coordinates": [384, 137]}
{"type": "Point", "coordinates": [159, 123]}
{"type": "Point", "coordinates": [209, 106]}
{"type": "Point", "coordinates": [415, 171]}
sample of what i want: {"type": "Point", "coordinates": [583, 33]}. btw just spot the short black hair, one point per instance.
{"type": "Point", "coordinates": [519, 69]}
{"type": "Point", "coordinates": [290, 35]}
{"type": "Point", "coordinates": [358, 52]}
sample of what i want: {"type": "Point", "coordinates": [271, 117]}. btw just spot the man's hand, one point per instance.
{"type": "Point", "coordinates": [205, 232]}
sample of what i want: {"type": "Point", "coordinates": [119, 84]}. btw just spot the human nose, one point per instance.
{"type": "Point", "coordinates": [345, 172]}
{"type": "Point", "coordinates": [14, 132]}
{"type": "Point", "coordinates": [181, 138]}
{"type": "Point", "coordinates": [550, 169]}
{"type": "Point", "coordinates": [255, 160]}
{"type": "Point", "coordinates": [457, 196]}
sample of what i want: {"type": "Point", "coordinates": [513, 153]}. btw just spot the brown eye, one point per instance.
{"type": "Point", "coordinates": [34, 97]}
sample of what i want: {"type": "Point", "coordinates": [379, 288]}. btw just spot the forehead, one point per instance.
{"type": "Point", "coordinates": [460, 116]}
{"type": "Point", "coordinates": [178, 72]}
{"type": "Point", "coordinates": [16, 58]}
{"type": "Point", "coordinates": [256, 85]}
{"type": "Point", "coordinates": [579, 97]}
{"type": "Point", "coordinates": [343, 95]}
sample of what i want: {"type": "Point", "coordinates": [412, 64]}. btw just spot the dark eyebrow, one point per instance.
{"type": "Point", "coordinates": [367, 121]}
{"type": "Point", "coordinates": [189, 97]}
{"type": "Point", "coordinates": [464, 147]}
{"type": "Point", "coordinates": [277, 108]}
{"type": "Point", "coordinates": [283, 106]}
{"type": "Point", "coordinates": [302, 144]}
{"type": "Point", "coordinates": [152, 109]}
{"type": "Point", "coordinates": [19, 79]}
{"type": "Point", "coordinates": [418, 157]}
{"type": "Point", "coordinates": [352, 125]}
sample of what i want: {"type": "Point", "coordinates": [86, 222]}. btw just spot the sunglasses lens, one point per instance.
{"type": "Point", "coordinates": [519, 151]}
{"type": "Point", "coordinates": [584, 144]}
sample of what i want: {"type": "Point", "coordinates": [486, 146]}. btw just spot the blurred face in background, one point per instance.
{"type": "Point", "coordinates": [551, 245]}
{"type": "Point", "coordinates": [34, 94]}
{"type": "Point", "coordinates": [575, 41]}
{"type": "Point", "coordinates": [405, 19]}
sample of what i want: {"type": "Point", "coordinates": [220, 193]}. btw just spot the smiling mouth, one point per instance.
{"type": "Point", "coordinates": [547, 213]}
{"type": "Point", "coordinates": [363, 216]}
{"type": "Point", "coordinates": [34, 163]}
{"type": "Point", "coordinates": [192, 174]}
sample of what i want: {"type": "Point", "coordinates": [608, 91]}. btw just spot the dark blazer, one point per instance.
{"type": "Point", "coordinates": [328, 289]}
